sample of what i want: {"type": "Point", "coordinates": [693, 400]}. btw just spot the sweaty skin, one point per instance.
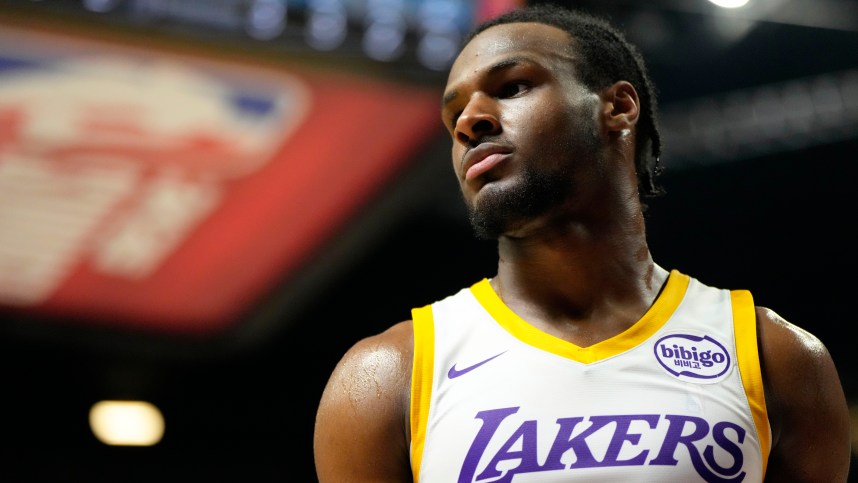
{"type": "Point", "coordinates": [575, 263]}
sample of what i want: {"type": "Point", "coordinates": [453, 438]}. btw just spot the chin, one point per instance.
{"type": "Point", "coordinates": [496, 211]}
{"type": "Point", "coordinates": [501, 206]}
{"type": "Point", "coordinates": [484, 228]}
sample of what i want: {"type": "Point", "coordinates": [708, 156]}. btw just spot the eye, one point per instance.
{"type": "Point", "coordinates": [512, 89]}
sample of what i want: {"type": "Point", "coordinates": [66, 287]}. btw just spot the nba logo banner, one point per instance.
{"type": "Point", "coordinates": [160, 191]}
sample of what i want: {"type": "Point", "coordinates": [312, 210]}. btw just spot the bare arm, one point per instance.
{"type": "Point", "coordinates": [806, 404]}
{"type": "Point", "coordinates": [361, 432]}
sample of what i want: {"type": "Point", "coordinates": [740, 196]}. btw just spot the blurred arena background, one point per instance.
{"type": "Point", "coordinates": [204, 203]}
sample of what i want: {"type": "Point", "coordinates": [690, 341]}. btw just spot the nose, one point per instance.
{"type": "Point", "coordinates": [477, 120]}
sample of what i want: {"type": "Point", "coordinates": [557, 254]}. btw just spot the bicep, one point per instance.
{"type": "Point", "coordinates": [359, 430]}
{"type": "Point", "coordinates": [806, 403]}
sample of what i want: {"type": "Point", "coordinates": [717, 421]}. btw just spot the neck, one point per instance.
{"type": "Point", "coordinates": [581, 282]}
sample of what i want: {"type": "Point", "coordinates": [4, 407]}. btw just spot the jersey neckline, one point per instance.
{"type": "Point", "coordinates": [654, 318]}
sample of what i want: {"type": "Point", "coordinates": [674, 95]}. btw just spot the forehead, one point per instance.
{"type": "Point", "coordinates": [536, 41]}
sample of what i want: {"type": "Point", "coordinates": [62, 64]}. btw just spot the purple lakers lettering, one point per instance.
{"type": "Point", "coordinates": [517, 445]}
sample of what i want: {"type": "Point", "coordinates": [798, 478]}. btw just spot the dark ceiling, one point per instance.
{"type": "Point", "coordinates": [774, 76]}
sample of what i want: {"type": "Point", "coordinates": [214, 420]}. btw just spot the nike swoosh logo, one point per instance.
{"type": "Point", "coordinates": [454, 373]}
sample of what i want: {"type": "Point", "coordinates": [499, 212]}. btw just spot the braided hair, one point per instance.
{"type": "Point", "coordinates": [606, 57]}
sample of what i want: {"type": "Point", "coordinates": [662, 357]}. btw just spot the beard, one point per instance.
{"type": "Point", "coordinates": [501, 209]}
{"type": "Point", "coordinates": [540, 188]}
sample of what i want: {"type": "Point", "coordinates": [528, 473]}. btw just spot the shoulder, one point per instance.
{"type": "Point", "coordinates": [787, 344]}
{"type": "Point", "coordinates": [364, 409]}
{"type": "Point", "coordinates": [376, 367]}
{"type": "Point", "coordinates": [790, 353]}
{"type": "Point", "coordinates": [383, 359]}
{"type": "Point", "coordinates": [805, 401]}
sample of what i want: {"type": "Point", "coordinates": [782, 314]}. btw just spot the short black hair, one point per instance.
{"type": "Point", "coordinates": [606, 57]}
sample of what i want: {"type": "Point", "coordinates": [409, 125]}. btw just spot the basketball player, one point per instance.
{"type": "Point", "coordinates": [581, 359]}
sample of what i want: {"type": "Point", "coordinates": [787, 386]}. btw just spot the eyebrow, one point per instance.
{"type": "Point", "coordinates": [495, 68]}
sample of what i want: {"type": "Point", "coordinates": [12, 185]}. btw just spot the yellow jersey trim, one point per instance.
{"type": "Point", "coordinates": [654, 318]}
{"type": "Point", "coordinates": [421, 382]}
{"type": "Point", "coordinates": [748, 360]}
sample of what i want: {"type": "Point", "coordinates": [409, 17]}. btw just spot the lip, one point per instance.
{"type": "Point", "coordinates": [483, 158]}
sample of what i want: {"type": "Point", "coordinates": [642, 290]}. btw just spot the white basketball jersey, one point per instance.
{"type": "Point", "coordinates": [678, 397]}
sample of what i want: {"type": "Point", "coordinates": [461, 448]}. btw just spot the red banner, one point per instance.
{"type": "Point", "coordinates": [156, 191]}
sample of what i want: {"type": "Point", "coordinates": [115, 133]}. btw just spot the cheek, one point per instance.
{"type": "Point", "coordinates": [539, 122]}
{"type": "Point", "coordinates": [579, 127]}
{"type": "Point", "coordinates": [456, 153]}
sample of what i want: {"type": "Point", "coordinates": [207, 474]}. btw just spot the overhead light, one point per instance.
{"type": "Point", "coordinates": [730, 3]}
{"type": "Point", "coordinates": [126, 423]}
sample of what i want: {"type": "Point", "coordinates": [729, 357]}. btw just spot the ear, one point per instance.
{"type": "Point", "coordinates": [620, 106]}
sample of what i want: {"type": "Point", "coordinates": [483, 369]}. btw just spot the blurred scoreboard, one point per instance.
{"type": "Point", "coordinates": [146, 186]}
{"type": "Point", "coordinates": [153, 190]}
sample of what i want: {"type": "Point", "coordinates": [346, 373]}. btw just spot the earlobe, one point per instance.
{"type": "Point", "coordinates": [621, 106]}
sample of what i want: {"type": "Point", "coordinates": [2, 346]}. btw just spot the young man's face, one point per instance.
{"type": "Point", "coordinates": [524, 129]}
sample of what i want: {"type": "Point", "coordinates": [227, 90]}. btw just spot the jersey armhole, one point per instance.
{"type": "Point", "coordinates": [748, 359]}
{"type": "Point", "coordinates": [421, 382]}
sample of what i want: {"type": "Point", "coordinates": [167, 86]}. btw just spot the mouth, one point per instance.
{"type": "Point", "coordinates": [482, 159]}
